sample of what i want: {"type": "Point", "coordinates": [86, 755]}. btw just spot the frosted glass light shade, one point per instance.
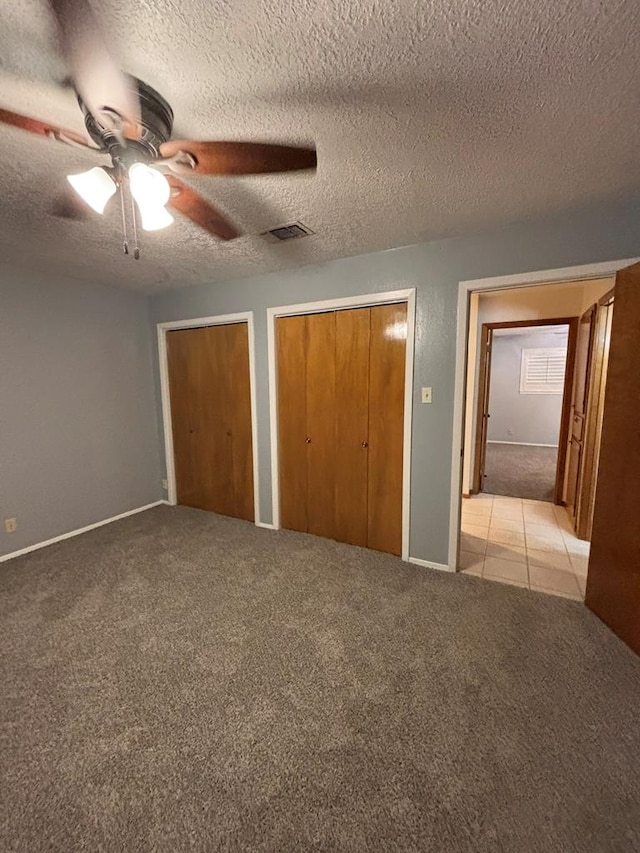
{"type": "Point", "coordinates": [154, 218]}
{"type": "Point", "coordinates": [95, 187]}
{"type": "Point", "coordinates": [151, 191]}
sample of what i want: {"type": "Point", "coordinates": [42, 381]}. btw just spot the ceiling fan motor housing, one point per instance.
{"type": "Point", "coordinates": [156, 121]}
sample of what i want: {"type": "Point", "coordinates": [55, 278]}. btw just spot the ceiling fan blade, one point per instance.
{"type": "Point", "coordinates": [241, 158]}
{"type": "Point", "coordinates": [198, 210]}
{"type": "Point", "coordinates": [42, 128]}
{"type": "Point", "coordinates": [103, 87]}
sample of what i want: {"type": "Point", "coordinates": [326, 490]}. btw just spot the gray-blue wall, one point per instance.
{"type": "Point", "coordinates": [608, 232]}
{"type": "Point", "coordinates": [78, 428]}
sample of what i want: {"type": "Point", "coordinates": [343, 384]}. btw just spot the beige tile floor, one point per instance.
{"type": "Point", "coordinates": [525, 543]}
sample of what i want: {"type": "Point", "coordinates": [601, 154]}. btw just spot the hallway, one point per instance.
{"type": "Point", "coordinates": [525, 543]}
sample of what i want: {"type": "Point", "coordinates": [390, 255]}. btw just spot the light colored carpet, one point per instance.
{"type": "Point", "coordinates": [521, 471]}
{"type": "Point", "coordinates": [180, 681]}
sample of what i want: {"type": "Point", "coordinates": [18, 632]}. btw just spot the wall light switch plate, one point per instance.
{"type": "Point", "coordinates": [426, 395]}
{"type": "Point", "coordinates": [165, 485]}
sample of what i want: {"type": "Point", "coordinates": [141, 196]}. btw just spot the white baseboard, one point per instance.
{"type": "Point", "coordinates": [80, 530]}
{"type": "Point", "coordinates": [257, 523]}
{"type": "Point", "coordinates": [521, 443]}
{"type": "Point", "coordinates": [441, 567]}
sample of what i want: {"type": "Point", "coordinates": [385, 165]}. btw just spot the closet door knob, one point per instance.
{"type": "Point", "coordinates": [365, 444]}
{"type": "Point", "coordinates": [307, 440]}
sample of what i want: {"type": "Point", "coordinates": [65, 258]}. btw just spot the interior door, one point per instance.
{"type": "Point", "coordinates": [387, 354]}
{"type": "Point", "coordinates": [352, 424]}
{"type": "Point", "coordinates": [341, 424]}
{"type": "Point", "coordinates": [565, 418]}
{"type": "Point", "coordinates": [483, 415]}
{"type": "Point", "coordinates": [593, 423]}
{"type": "Point", "coordinates": [579, 402]}
{"type": "Point", "coordinates": [321, 424]}
{"type": "Point", "coordinates": [613, 582]}
{"type": "Point", "coordinates": [215, 466]}
{"type": "Point", "coordinates": [235, 345]}
{"type": "Point", "coordinates": [211, 418]}
{"type": "Point", "coordinates": [291, 352]}
{"type": "Point", "coordinates": [187, 364]}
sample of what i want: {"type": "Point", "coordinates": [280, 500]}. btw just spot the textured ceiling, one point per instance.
{"type": "Point", "coordinates": [431, 119]}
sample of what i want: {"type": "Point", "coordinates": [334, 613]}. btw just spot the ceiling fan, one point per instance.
{"type": "Point", "coordinates": [131, 123]}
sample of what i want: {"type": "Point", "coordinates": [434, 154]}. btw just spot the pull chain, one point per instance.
{"type": "Point", "coordinates": [136, 249]}
{"type": "Point", "coordinates": [125, 243]}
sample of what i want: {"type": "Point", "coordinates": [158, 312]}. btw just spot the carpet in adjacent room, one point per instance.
{"type": "Point", "coordinates": [521, 471]}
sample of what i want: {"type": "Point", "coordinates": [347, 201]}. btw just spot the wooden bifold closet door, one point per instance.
{"type": "Point", "coordinates": [210, 396]}
{"type": "Point", "coordinates": [340, 424]}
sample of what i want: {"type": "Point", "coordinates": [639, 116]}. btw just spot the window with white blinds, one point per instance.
{"type": "Point", "coordinates": [542, 370]}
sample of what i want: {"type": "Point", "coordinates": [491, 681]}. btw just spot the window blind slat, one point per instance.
{"type": "Point", "coordinates": [542, 370]}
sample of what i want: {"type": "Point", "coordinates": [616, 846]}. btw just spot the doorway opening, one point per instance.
{"type": "Point", "coordinates": [537, 367]}
{"type": "Point", "coordinates": [525, 381]}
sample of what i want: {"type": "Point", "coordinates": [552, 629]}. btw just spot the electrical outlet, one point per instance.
{"type": "Point", "coordinates": [10, 525]}
{"type": "Point", "coordinates": [165, 485]}
{"type": "Point", "coordinates": [426, 395]}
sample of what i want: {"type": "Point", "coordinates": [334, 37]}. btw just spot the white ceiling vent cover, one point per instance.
{"type": "Point", "coordinates": [288, 232]}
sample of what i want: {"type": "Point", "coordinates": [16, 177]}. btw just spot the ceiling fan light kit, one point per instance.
{"type": "Point", "coordinates": [95, 187]}
{"type": "Point", "coordinates": [151, 191]}
{"type": "Point", "coordinates": [130, 122]}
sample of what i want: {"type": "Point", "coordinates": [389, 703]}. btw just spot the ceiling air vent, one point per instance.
{"type": "Point", "coordinates": [288, 232]}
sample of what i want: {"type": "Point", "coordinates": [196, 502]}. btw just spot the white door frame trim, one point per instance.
{"type": "Point", "coordinates": [584, 272]}
{"type": "Point", "coordinates": [369, 299]}
{"type": "Point", "coordinates": [218, 320]}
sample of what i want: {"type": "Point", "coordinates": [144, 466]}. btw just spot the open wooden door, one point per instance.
{"type": "Point", "coordinates": [613, 582]}
{"type": "Point", "coordinates": [595, 410]}
{"type": "Point", "coordinates": [579, 402]}
{"type": "Point", "coordinates": [482, 416]}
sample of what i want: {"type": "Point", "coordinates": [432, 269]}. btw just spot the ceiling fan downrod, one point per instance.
{"type": "Point", "coordinates": [123, 208]}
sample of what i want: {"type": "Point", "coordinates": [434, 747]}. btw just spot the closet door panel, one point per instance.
{"type": "Point", "coordinates": [341, 424]}
{"type": "Point", "coordinates": [321, 423]}
{"type": "Point", "coordinates": [217, 396]}
{"type": "Point", "coordinates": [292, 421]}
{"type": "Point", "coordinates": [386, 426]}
{"type": "Point", "coordinates": [352, 425]}
{"type": "Point", "coordinates": [211, 417]}
{"type": "Point", "coordinates": [187, 359]}
{"type": "Point", "coordinates": [241, 451]}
